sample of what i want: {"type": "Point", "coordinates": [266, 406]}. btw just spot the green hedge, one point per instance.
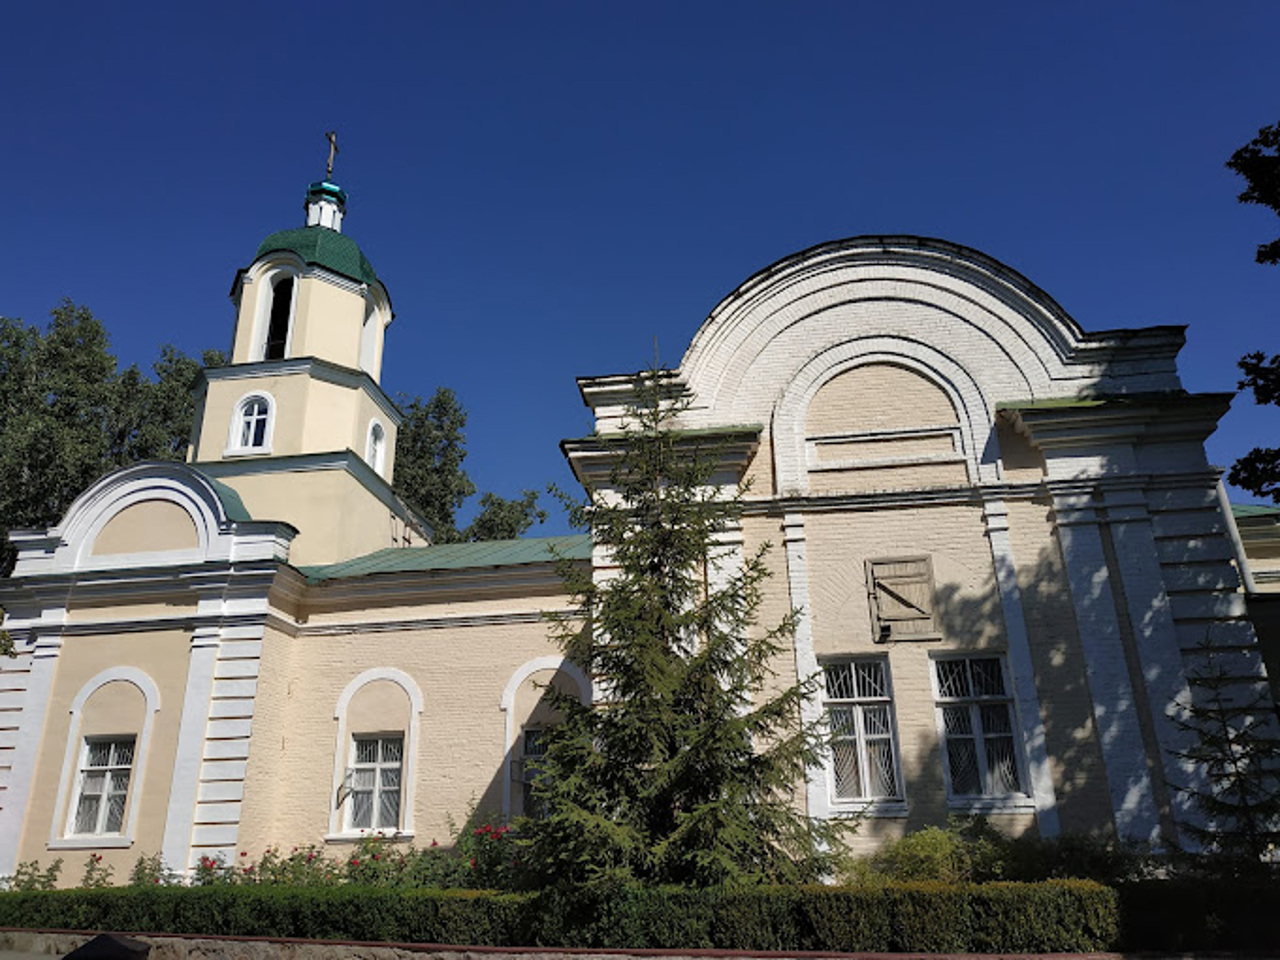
{"type": "Point", "coordinates": [1056, 916]}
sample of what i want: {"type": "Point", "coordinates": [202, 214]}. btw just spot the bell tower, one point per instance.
{"type": "Point", "coordinates": [298, 423]}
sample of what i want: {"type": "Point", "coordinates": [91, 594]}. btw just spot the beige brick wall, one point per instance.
{"type": "Point", "coordinates": [162, 655]}
{"type": "Point", "coordinates": [461, 672]}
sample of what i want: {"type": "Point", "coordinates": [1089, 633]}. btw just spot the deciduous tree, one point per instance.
{"type": "Point", "coordinates": [430, 449]}
{"type": "Point", "coordinates": [68, 414]}
{"type": "Point", "coordinates": [1258, 161]}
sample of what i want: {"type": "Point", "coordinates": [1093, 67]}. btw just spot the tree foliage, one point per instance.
{"type": "Point", "coordinates": [1258, 471]}
{"type": "Point", "coordinates": [68, 414]}
{"type": "Point", "coordinates": [1258, 161]}
{"type": "Point", "coordinates": [430, 448]}
{"type": "Point", "coordinates": [687, 771]}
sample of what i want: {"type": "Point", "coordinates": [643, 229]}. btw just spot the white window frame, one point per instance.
{"type": "Point", "coordinates": [989, 799]}
{"type": "Point", "coordinates": [235, 445]}
{"type": "Point", "coordinates": [883, 805]}
{"type": "Point", "coordinates": [110, 772]}
{"type": "Point", "coordinates": [375, 449]}
{"type": "Point", "coordinates": [378, 767]}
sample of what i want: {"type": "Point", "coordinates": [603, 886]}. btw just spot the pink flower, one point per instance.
{"type": "Point", "coordinates": [435, 843]}
{"type": "Point", "coordinates": [355, 863]}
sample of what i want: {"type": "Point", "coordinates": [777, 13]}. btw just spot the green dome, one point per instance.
{"type": "Point", "coordinates": [324, 248]}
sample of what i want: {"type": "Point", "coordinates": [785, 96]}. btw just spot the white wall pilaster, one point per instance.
{"type": "Point", "coordinates": [816, 794]}
{"type": "Point", "coordinates": [1115, 713]}
{"type": "Point", "coordinates": [175, 848]}
{"type": "Point", "coordinates": [1026, 694]}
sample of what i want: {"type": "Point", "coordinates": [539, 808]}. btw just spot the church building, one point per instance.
{"type": "Point", "coordinates": [1005, 544]}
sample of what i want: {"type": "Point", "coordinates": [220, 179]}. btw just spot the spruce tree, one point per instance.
{"type": "Point", "coordinates": [687, 769]}
{"type": "Point", "coordinates": [1236, 748]}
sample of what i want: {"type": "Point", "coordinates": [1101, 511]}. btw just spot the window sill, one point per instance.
{"type": "Point", "coordinates": [398, 836]}
{"type": "Point", "coordinates": [89, 843]}
{"type": "Point", "coordinates": [869, 808]}
{"type": "Point", "coordinates": [982, 805]}
{"type": "Point", "coordinates": [234, 452]}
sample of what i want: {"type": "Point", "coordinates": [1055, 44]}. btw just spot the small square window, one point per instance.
{"type": "Point", "coordinates": [902, 599]}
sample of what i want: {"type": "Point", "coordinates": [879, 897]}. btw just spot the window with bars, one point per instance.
{"type": "Point", "coordinates": [102, 787]}
{"type": "Point", "coordinates": [860, 715]}
{"type": "Point", "coordinates": [534, 748]}
{"type": "Point", "coordinates": [976, 716]}
{"type": "Point", "coordinates": [373, 794]}
{"type": "Point", "coordinates": [901, 591]}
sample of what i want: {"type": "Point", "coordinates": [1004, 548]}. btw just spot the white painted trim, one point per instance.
{"type": "Point", "coordinates": [234, 447]}
{"type": "Point", "coordinates": [508, 700]}
{"type": "Point", "coordinates": [817, 793]}
{"type": "Point", "coordinates": [1026, 696]}
{"type": "Point", "coordinates": [151, 700]}
{"type": "Point", "coordinates": [342, 746]}
{"type": "Point", "coordinates": [175, 847]}
{"type": "Point", "coordinates": [44, 662]}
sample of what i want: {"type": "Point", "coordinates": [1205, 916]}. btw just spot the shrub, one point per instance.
{"type": "Point", "coordinates": [1058, 916]}
{"type": "Point", "coordinates": [29, 876]}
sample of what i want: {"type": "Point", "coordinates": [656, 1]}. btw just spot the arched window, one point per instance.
{"type": "Point", "coordinates": [99, 791]}
{"type": "Point", "coordinates": [278, 325]}
{"type": "Point", "coordinates": [251, 425]}
{"type": "Point", "coordinates": [375, 755]}
{"type": "Point", "coordinates": [376, 449]}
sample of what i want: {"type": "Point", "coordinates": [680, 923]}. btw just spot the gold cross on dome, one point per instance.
{"type": "Point", "coordinates": [332, 137]}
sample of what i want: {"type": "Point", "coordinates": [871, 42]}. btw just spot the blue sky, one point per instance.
{"type": "Point", "coordinates": [547, 188]}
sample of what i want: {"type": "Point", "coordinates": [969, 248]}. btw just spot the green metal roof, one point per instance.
{"type": "Point", "coordinates": [1253, 510]}
{"type": "Point", "coordinates": [323, 247]}
{"type": "Point", "coordinates": [231, 502]}
{"type": "Point", "coordinates": [457, 556]}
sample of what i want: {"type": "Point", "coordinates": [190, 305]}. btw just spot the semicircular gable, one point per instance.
{"type": "Point", "coordinates": [146, 514]}
{"type": "Point", "coordinates": [1010, 336]}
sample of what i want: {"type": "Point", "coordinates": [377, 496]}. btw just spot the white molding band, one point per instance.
{"type": "Point", "coordinates": [1025, 693]}
{"type": "Point", "coordinates": [508, 700]}
{"type": "Point", "coordinates": [342, 748]}
{"type": "Point", "coordinates": [59, 825]}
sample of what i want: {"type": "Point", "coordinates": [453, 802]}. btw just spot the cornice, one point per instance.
{"type": "Point", "coordinates": [314, 367]}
